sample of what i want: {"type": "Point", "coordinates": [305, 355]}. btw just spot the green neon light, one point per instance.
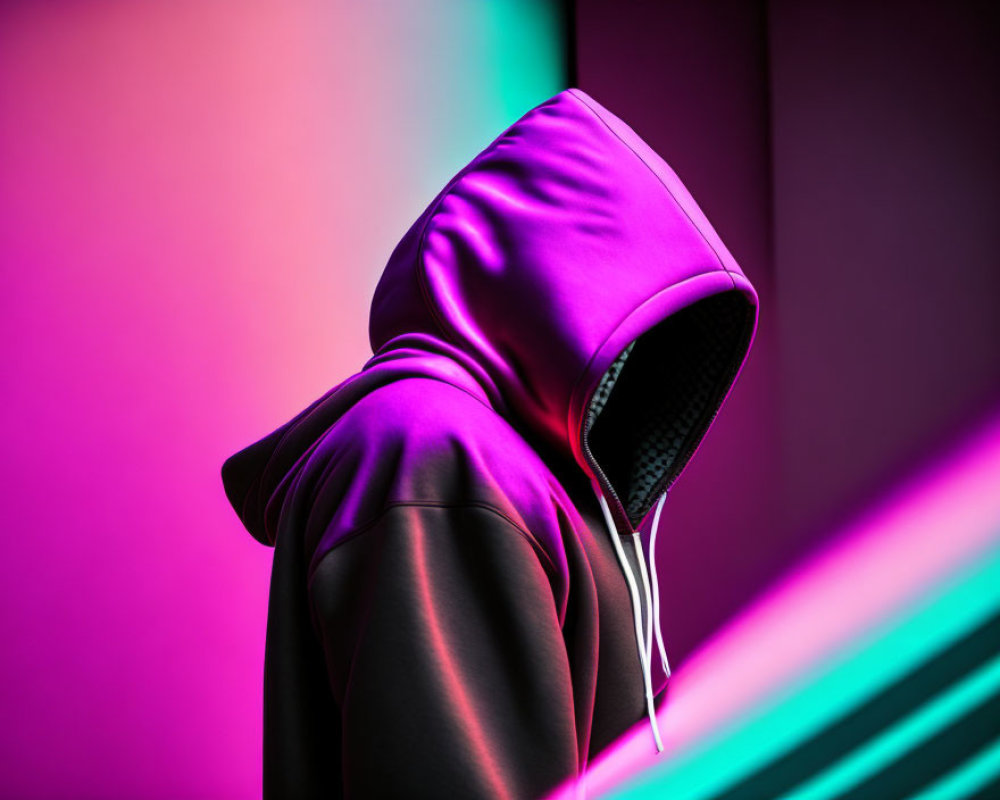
{"type": "Point", "coordinates": [819, 698]}
{"type": "Point", "coordinates": [923, 723]}
{"type": "Point", "coordinates": [484, 65]}
{"type": "Point", "coordinates": [531, 60]}
{"type": "Point", "coordinates": [970, 777]}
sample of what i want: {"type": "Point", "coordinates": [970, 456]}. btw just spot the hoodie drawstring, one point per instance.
{"type": "Point", "coordinates": [644, 643]}
{"type": "Point", "coordinates": [656, 585]}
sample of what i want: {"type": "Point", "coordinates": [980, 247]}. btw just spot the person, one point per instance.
{"type": "Point", "coordinates": [461, 602]}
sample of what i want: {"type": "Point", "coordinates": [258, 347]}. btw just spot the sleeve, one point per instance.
{"type": "Point", "coordinates": [445, 654]}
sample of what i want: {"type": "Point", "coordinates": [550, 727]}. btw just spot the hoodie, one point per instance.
{"type": "Point", "coordinates": [462, 603]}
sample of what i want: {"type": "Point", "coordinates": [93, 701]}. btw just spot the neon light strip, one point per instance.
{"type": "Point", "coordinates": [876, 576]}
{"type": "Point", "coordinates": [973, 775]}
{"type": "Point", "coordinates": [818, 700]}
{"type": "Point", "coordinates": [931, 718]}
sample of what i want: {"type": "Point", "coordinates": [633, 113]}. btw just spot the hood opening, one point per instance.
{"type": "Point", "coordinates": [657, 400]}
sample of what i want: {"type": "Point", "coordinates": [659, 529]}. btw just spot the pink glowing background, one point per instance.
{"type": "Point", "coordinates": [196, 200]}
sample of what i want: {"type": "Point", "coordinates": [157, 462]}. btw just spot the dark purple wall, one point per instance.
{"type": "Point", "coordinates": [848, 158]}
{"type": "Point", "coordinates": [886, 129]}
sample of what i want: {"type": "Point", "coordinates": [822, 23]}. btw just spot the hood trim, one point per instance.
{"type": "Point", "coordinates": [657, 308]}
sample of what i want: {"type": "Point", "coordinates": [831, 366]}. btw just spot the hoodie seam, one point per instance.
{"type": "Point", "coordinates": [653, 172]}
{"type": "Point", "coordinates": [364, 527]}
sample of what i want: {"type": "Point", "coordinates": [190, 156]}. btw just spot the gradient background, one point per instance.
{"type": "Point", "coordinates": [196, 203]}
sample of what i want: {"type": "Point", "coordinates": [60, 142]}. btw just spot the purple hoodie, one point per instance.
{"type": "Point", "coordinates": [460, 603]}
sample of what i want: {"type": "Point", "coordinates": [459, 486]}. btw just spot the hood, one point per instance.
{"type": "Point", "coordinates": [567, 278]}
{"type": "Point", "coordinates": [570, 263]}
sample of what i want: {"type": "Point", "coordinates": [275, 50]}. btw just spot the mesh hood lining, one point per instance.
{"type": "Point", "coordinates": [657, 399]}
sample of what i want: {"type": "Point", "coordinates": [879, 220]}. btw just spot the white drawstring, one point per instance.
{"type": "Point", "coordinates": [648, 640]}
{"type": "Point", "coordinates": [644, 643]}
{"type": "Point", "coordinates": [656, 585]}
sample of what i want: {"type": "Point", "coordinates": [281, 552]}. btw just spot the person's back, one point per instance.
{"type": "Point", "coordinates": [458, 604]}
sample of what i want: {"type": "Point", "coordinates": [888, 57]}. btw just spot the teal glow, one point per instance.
{"type": "Point", "coordinates": [970, 777]}
{"type": "Point", "coordinates": [532, 53]}
{"type": "Point", "coordinates": [818, 699]}
{"type": "Point", "coordinates": [463, 72]}
{"type": "Point", "coordinates": [929, 719]}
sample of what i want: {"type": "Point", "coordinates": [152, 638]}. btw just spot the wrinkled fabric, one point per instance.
{"type": "Point", "coordinates": [447, 614]}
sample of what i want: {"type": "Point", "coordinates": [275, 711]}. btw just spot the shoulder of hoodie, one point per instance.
{"type": "Point", "coordinates": [423, 442]}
